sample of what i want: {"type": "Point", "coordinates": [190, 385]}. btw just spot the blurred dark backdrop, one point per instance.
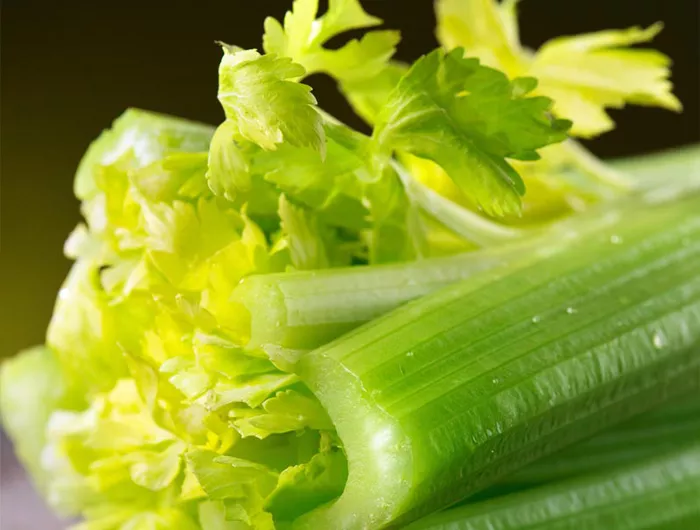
{"type": "Point", "coordinates": [69, 68]}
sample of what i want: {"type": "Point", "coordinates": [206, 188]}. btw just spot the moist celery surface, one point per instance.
{"type": "Point", "coordinates": [464, 386]}
{"type": "Point", "coordinates": [659, 493]}
{"type": "Point", "coordinates": [663, 429]}
{"type": "Point", "coordinates": [179, 387]}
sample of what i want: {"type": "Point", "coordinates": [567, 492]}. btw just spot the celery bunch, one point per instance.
{"type": "Point", "coordinates": [283, 323]}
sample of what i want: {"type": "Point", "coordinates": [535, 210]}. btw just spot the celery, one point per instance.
{"type": "Point", "coordinates": [166, 402]}
{"type": "Point", "coordinates": [648, 434]}
{"type": "Point", "coordinates": [659, 493]}
{"type": "Point", "coordinates": [306, 309]}
{"type": "Point", "coordinates": [656, 169]}
{"type": "Point", "coordinates": [544, 355]}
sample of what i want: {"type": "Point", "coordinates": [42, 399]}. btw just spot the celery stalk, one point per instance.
{"type": "Point", "coordinates": [661, 492]}
{"type": "Point", "coordinates": [656, 169]}
{"type": "Point", "coordinates": [648, 434]}
{"type": "Point", "coordinates": [447, 394]}
{"type": "Point", "coordinates": [304, 310]}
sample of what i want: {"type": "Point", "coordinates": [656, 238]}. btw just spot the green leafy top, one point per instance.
{"type": "Point", "coordinates": [584, 74]}
{"type": "Point", "coordinates": [469, 119]}
{"type": "Point", "coordinates": [303, 35]}
{"type": "Point", "coordinates": [266, 107]}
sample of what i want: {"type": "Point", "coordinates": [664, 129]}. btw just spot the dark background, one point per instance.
{"type": "Point", "coordinates": [69, 68]}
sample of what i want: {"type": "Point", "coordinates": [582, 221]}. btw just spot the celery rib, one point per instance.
{"type": "Point", "coordinates": [483, 377]}
{"type": "Point", "coordinates": [644, 436]}
{"type": "Point", "coordinates": [657, 493]}
{"type": "Point", "coordinates": [304, 310]}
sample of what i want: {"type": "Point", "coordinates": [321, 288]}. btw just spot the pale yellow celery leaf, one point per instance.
{"type": "Point", "coordinates": [225, 358]}
{"type": "Point", "coordinates": [164, 339]}
{"type": "Point", "coordinates": [228, 173]}
{"type": "Point", "coordinates": [303, 487]}
{"type": "Point", "coordinates": [193, 375]}
{"type": "Point", "coordinates": [140, 137]}
{"type": "Point", "coordinates": [83, 330]}
{"type": "Point", "coordinates": [252, 390]}
{"type": "Point", "coordinates": [259, 95]}
{"type": "Point", "coordinates": [32, 387]}
{"type": "Point", "coordinates": [227, 268]}
{"type": "Point", "coordinates": [360, 59]}
{"type": "Point", "coordinates": [121, 517]}
{"type": "Point", "coordinates": [191, 489]}
{"type": "Point", "coordinates": [108, 461]}
{"type": "Point", "coordinates": [586, 74]}
{"type": "Point", "coordinates": [156, 470]}
{"type": "Point", "coordinates": [342, 15]}
{"type": "Point", "coordinates": [192, 382]}
{"type": "Point", "coordinates": [583, 74]}
{"type": "Point", "coordinates": [164, 179]}
{"type": "Point", "coordinates": [240, 485]}
{"type": "Point", "coordinates": [127, 275]}
{"type": "Point", "coordinates": [182, 237]}
{"type": "Point", "coordinates": [301, 236]}
{"type": "Point", "coordinates": [302, 38]}
{"type": "Point", "coordinates": [172, 410]}
{"type": "Point", "coordinates": [112, 212]}
{"type": "Point", "coordinates": [224, 477]}
{"type": "Point", "coordinates": [287, 411]}
{"type": "Point", "coordinates": [82, 243]}
{"type": "Point", "coordinates": [294, 37]}
{"type": "Point", "coordinates": [124, 422]}
{"type": "Point", "coordinates": [212, 516]}
{"type": "Point", "coordinates": [162, 519]}
{"type": "Point", "coordinates": [485, 29]}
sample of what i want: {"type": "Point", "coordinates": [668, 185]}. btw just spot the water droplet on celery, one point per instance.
{"type": "Point", "coordinates": [571, 310]}
{"type": "Point", "coordinates": [659, 340]}
{"type": "Point", "coordinates": [615, 239]}
{"type": "Point", "coordinates": [409, 354]}
{"type": "Point", "coordinates": [536, 319]}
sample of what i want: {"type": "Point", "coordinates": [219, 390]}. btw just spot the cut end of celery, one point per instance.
{"type": "Point", "coordinates": [378, 451]}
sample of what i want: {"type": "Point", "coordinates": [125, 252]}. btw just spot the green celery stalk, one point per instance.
{"type": "Point", "coordinates": [660, 493]}
{"type": "Point", "coordinates": [655, 169]}
{"type": "Point", "coordinates": [644, 436]}
{"type": "Point", "coordinates": [306, 309]}
{"type": "Point", "coordinates": [447, 394]}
